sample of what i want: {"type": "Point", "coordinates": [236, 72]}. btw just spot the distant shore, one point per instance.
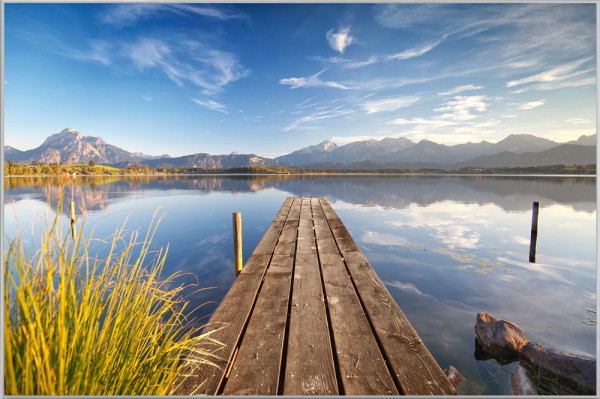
{"type": "Point", "coordinates": [22, 170]}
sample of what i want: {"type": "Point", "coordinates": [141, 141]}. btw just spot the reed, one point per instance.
{"type": "Point", "coordinates": [75, 324]}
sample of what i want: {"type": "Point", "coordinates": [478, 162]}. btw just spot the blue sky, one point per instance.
{"type": "Point", "coordinates": [270, 79]}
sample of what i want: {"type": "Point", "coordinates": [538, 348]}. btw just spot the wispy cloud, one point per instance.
{"type": "Point", "coordinates": [427, 123]}
{"type": "Point", "coordinates": [550, 30]}
{"type": "Point", "coordinates": [340, 40]}
{"type": "Point", "coordinates": [556, 74]}
{"type": "Point", "coordinates": [558, 85]}
{"type": "Point", "coordinates": [147, 53]}
{"type": "Point", "coordinates": [403, 55]}
{"type": "Point", "coordinates": [389, 104]}
{"type": "Point", "coordinates": [122, 15]}
{"type": "Point", "coordinates": [98, 51]}
{"type": "Point", "coordinates": [211, 104]}
{"type": "Point", "coordinates": [211, 71]}
{"type": "Point", "coordinates": [414, 52]}
{"type": "Point", "coordinates": [311, 81]}
{"type": "Point", "coordinates": [578, 121]}
{"type": "Point", "coordinates": [333, 113]}
{"type": "Point", "coordinates": [531, 105]}
{"type": "Point", "coordinates": [407, 15]}
{"type": "Point", "coordinates": [460, 107]}
{"type": "Point", "coordinates": [460, 89]}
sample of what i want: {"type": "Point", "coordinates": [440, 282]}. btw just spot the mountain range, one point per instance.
{"type": "Point", "coordinates": [70, 146]}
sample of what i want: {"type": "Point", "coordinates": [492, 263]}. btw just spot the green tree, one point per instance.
{"type": "Point", "coordinates": [92, 162]}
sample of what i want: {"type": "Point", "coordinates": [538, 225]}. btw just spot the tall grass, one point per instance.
{"type": "Point", "coordinates": [78, 325]}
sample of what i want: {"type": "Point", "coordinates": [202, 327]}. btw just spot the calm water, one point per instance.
{"type": "Point", "coordinates": [446, 247]}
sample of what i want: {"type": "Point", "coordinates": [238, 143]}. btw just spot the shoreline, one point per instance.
{"type": "Point", "coordinates": [324, 174]}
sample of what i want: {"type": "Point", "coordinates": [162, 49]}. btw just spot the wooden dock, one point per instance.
{"type": "Point", "coordinates": [307, 315]}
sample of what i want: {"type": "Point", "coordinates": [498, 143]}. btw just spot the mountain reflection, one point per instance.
{"type": "Point", "coordinates": [511, 193]}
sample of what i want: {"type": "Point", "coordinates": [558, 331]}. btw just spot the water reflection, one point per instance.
{"type": "Point", "coordinates": [446, 247]}
{"type": "Point", "coordinates": [511, 193]}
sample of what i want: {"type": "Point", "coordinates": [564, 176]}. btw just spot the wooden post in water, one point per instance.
{"type": "Point", "coordinates": [74, 233]}
{"type": "Point", "coordinates": [237, 242]}
{"type": "Point", "coordinates": [534, 231]}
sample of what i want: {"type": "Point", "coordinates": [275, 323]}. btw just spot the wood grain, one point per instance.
{"type": "Point", "coordinates": [412, 364]}
{"type": "Point", "coordinates": [309, 368]}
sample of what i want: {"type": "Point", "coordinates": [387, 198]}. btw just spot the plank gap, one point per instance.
{"type": "Point", "coordinates": [384, 354]}
{"type": "Point", "coordinates": [336, 363]}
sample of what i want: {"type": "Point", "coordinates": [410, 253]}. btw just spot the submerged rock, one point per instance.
{"type": "Point", "coordinates": [520, 382]}
{"type": "Point", "coordinates": [454, 376]}
{"type": "Point", "coordinates": [580, 371]}
{"type": "Point", "coordinates": [499, 336]}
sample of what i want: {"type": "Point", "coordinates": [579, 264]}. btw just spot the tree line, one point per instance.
{"type": "Point", "coordinates": [41, 169]}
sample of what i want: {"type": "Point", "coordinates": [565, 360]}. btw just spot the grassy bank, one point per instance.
{"type": "Point", "coordinates": [75, 324]}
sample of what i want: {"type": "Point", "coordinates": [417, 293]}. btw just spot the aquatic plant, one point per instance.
{"type": "Point", "coordinates": [75, 324]}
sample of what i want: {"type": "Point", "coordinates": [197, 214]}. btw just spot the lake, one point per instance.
{"type": "Point", "coordinates": [446, 247]}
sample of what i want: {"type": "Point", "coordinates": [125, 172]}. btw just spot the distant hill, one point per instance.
{"type": "Point", "coordinates": [565, 154]}
{"type": "Point", "coordinates": [210, 161]}
{"type": "Point", "coordinates": [404, 151]}
{"type": "Point", "coordinates": [520, 143]}
{"type": "Point", "coordinates": [146, 156]}
{"type": "Point", "coordinates": [11, 152]}
{"type": "Point", "coordinates": [311, 154]}
{"type": "Point", "coordinates": [353, 152]}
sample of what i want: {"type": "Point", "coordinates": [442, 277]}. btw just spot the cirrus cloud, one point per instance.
{"type": "Point", "coordinates": [389, 104]}
{"type": "Point", "coordinates": [311, 81]}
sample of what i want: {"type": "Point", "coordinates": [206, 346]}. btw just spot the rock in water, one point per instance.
{"type": "Point", "coordinates": [580, 371]}
{"type": "Point", "coordinates": [499, 336]}
{"type": "Point", "coordinates": [454, 376]}
{"type": "Point", "coordinates": [520, 383]}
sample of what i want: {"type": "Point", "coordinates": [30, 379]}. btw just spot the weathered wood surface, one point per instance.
{"type": "Point", "coordinates": [308, 316]}
{"type": "Point", "coordinates": [309, 368]}
{"type": "Point", "coordinates": [411, 364]}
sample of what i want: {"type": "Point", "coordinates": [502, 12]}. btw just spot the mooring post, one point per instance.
{"type": "Point", "coordinates": [73, 219]}
{"type": "Point", "coordinates": [312, 190]}
{"type": "Point", "coordinates": [237, 242]}
{"type": "Point", "coordinates": [534, 231]}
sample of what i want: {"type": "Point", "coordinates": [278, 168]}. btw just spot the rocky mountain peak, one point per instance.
{"type": "Point", "coordinates": [66, 135]}
{"type": "Point", "coordinates": [328, 146]}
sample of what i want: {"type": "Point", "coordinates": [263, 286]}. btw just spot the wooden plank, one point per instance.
{"type": "Point", "coordinates": [361, 366]}
{"type": "Point", "coordinates": [325, 243]}
{"type": "Point", "coordinates": [309, 368]}
{"type": "Point", "coordinates": [230, 317]}
{"type": "Point", "coordinates": [287, 240]}
{"type": "Point", "coordinates": [306, 234]}
{"type": "Point", "coordinates": [257, 364]}
{"type": "Point", "coordinates": [294, 213]}
{"type": "Point", "coordinates": [413, 366]}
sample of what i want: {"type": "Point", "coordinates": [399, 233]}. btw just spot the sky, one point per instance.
{"type": "Point", "coordinates": [270, 79]}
